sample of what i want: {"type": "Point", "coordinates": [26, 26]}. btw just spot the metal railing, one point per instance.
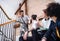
{"type": "Point", "coordinates": [7, 30]}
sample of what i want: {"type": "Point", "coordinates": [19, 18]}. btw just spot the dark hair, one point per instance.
{"type": "Point", "coordinates": [45, 11]}
{"type": "Point", "coordinates": [53, 9]}
{"type": "Point", "coordinates": [34, 17]}
{"type": "Point", "coordinates": [21, 11]}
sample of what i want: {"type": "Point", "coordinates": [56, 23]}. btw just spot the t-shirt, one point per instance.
{"type": "Point", "coordinates": [23, 22]}
{"type": "Point", "coordinates": [34, 24]}
{"type": "Point", "coordinates": [46, 23]}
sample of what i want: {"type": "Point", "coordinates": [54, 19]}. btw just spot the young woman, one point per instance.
{"type": "Point", "coordinates": [53, 34]}
{"type": "Point", "coordinates": [34, 26]}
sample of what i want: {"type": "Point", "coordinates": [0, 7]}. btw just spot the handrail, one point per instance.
{"type": "Point", "coordinates": [5, 12]}
{"type": "Point", "coordinates": [7, 22]}
{"type": "Point", "coordinates": [20, 6]}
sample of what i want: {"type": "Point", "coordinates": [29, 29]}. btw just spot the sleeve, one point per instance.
{"type": "Point", "coordinates": [19, 20]}
{"type": "Point", "coordinates": [27, 19]}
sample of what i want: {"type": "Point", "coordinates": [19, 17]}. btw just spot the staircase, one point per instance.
{"type": "Point", "coordinates": [7, 30]}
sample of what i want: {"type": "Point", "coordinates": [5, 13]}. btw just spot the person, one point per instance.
{"type": "Point", "coordinates": [34, 26]}
{"type": "Point", "coordinates": [45, 23]}
{"type": "Point", "coordinates": [34, 21]}
{"type": "Point", "coordinates": [53, 10]}
{"type": "Point", "coordinates": [23, 20]}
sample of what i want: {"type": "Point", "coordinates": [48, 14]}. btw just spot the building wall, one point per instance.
{"type": "Point", "coordinates": [57, 1]}
{"type": "Point", "coordinates": [36, 6]}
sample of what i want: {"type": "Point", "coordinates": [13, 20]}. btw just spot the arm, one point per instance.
{"type": "Point", "coordinates": [25, 35]}
{"type": "Point", "coordinates": [48, 33]}
{"type": "Point", "coordinates": [46, 36]}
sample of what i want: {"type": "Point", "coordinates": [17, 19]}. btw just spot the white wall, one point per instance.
{"type": "Point", "coordinates": [37, 6]}
{"type": "Point", "coordinates": [10, 6]}
{"type": "Point", "coordinates": [57, 1]}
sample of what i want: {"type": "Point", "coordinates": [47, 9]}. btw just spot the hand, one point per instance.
{"type": "Point", "coordinates": [25, 35]}
{"type": "Point", "coordinates": [17, 25]}
{"type": "Point", "coordinates": [43, 39]}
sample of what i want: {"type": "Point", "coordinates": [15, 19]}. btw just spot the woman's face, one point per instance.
{"type": "Point", "coordinates": [45, 15]}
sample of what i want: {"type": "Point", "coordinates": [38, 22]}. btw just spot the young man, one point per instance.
{"type": "Point", "coordinates": [23, 20]}
{"type": "Point", "coordinates": [53, 10]}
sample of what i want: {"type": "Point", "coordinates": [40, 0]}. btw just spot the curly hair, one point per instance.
{"type": "Point", "coordinates": [53, 9]}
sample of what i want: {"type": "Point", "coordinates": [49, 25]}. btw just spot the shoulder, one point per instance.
{"type": "Point", "coordinates": [52, 25]}
{"type": "Point", "coordinates": [26, 16]}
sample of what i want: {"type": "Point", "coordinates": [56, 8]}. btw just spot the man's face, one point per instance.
{"type": "Point", "coordinates": [22, 13]}
{"type": "Point", "coordinates": [18, 15]}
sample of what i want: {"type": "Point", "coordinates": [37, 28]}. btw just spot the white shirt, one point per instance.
{"type": "Point", "coordinates": [46, 23]}
{"type": "Point", "coordinates": [34, 24]}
